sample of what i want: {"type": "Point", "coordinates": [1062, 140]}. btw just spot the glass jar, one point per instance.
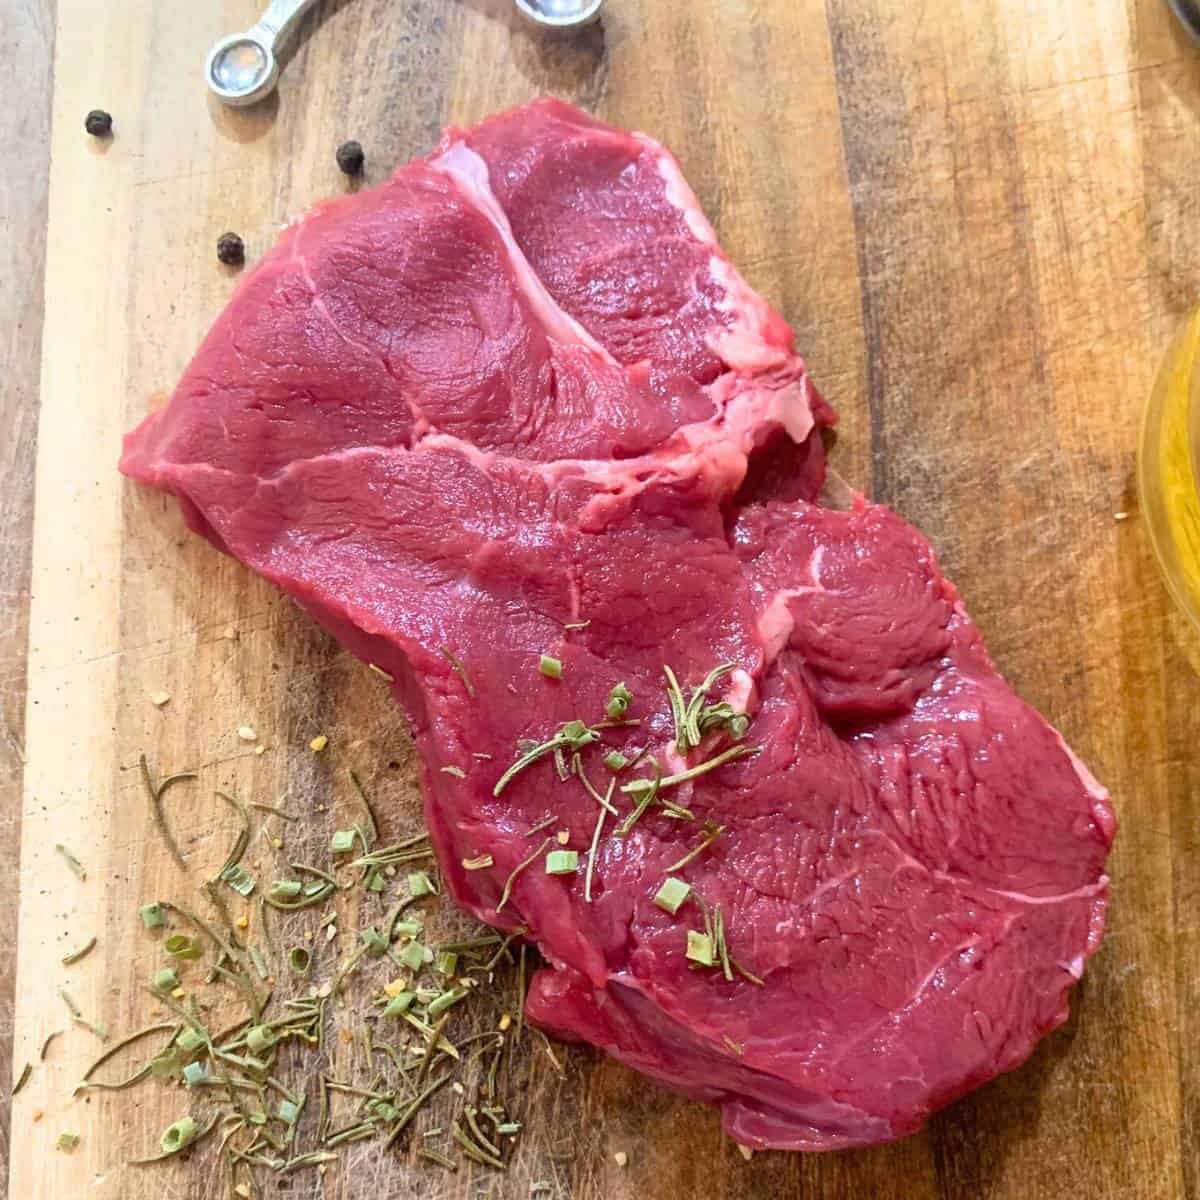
{"type": "Point", "coordinates": [1169, 467]}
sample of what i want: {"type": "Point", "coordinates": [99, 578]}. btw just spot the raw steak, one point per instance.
{"type": "Point", "coordinates": [517, 402]}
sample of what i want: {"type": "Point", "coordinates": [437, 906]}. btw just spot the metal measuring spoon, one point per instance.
{"type": "Point", "coordinates": [242, 68]}
{"type": "Point", "coordinates": [560, 14]}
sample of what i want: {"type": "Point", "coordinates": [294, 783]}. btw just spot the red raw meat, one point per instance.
{"type": "Point", "coordinates": [520, 388]}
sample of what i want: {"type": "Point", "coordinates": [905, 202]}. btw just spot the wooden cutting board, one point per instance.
{"type": "Point", "coordinates": [982, 218]}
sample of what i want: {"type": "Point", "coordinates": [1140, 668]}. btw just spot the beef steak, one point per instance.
{"type": "Point", "coordinates": [518, 402]}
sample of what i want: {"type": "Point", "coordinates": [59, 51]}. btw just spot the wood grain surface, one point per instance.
{"type": "Point", "coordinates": [26, 38]}
{"type": "Point", "coordinates": [983, 219]}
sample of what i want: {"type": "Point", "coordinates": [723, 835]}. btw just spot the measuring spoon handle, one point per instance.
{"type": "Point", "coordinates": [276, 25]}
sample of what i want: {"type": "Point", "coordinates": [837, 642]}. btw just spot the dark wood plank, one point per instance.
{"type": "Point", "coordinates": [997, 158]}
{"type": "Point", "coordinates": [1168, 102]}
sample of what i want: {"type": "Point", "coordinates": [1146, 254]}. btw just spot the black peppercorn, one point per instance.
{"type": "Point", "coordinates": [98, 123]}
{"type": "Point", "coordinates": [350, 158]}
{"type": "Point", "coordinates": [231, 250]}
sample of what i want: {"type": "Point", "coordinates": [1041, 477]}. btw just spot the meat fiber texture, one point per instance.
{"type": "Point", "coordinates": [516, 402]}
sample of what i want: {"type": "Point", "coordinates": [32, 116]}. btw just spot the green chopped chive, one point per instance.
{"type": "Point", "coordinates": [446, 999]}
{"type": "Point", "coordinates": [71, 861]}
{"type": "Point", "coordinates": [288, 1111]}
{"type": "Point", "coordinates": [551, 667]}
{"type": "Point", "coordinates": [400, 1003]}
{"type": "Point", "coordinates": [153, 916]}
{"type": "Point", "coordinates": [715, 716]}
{"type": "Point", "coordinates": [286, 889]}
{"type": "Point", "coordinates": [67, 1141]}
{"type": "Point", "coordinates": [300, 960]}
{"type": "Point", "coordinates": [619, 700]}
{"type": "Point", "coordinates": [260, 1039]}
{"type": "Point", "coordinates": [413, 956]}
{"type": "Point", "coordinates": [180, 945]}
{"type": "Point", "coordinates": [374, 940]}
{"type": "Point", "coordinates": [478, 864]}
{"type": "Point", "coordinates": [178, 1136]}
{"type": "Point", "coordinates": [374, 881]}
{"type": "Point", "coordinates": [166, 980]}
{"type": "Point", "coordinates": [562, 862]}
{"type": "Point", "coordinates": [408, 929]}
{"type": "Point", "coordinates": [342, 841]}
{"type": "Point", "coordinates": [446, 962]}
{"type": "Point", "coordinates": [239, 879]}
{"type": "Point", "coordinates": [190, 1040]}
{"type": "Point", "coordinates": [700, 948]}
{"type": "Point", "coordinates": [419, 884]}
{"type": "Point", "coordinates": [672, 894]}
{"type": "Point", "coordinates": [166, 1062]}
{"type": "Point", "coordinates": [615, 761]}
{"type": "Point", "coordinates": [196, 1074]}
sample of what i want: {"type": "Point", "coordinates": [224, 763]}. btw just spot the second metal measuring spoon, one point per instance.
{"type": "Point", "coordinates": [560, 14]}
{"type": "Point", "coordinates": [1188, 11]}
{"type": "Point", "coordinates": [243, 68]}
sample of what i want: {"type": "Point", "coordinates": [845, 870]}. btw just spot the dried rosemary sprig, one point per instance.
{"type": "Point", "coordinates": [155, 792]}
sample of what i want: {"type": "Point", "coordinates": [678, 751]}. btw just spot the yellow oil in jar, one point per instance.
{"type": "Point", "coordinates": [1170, 464]}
